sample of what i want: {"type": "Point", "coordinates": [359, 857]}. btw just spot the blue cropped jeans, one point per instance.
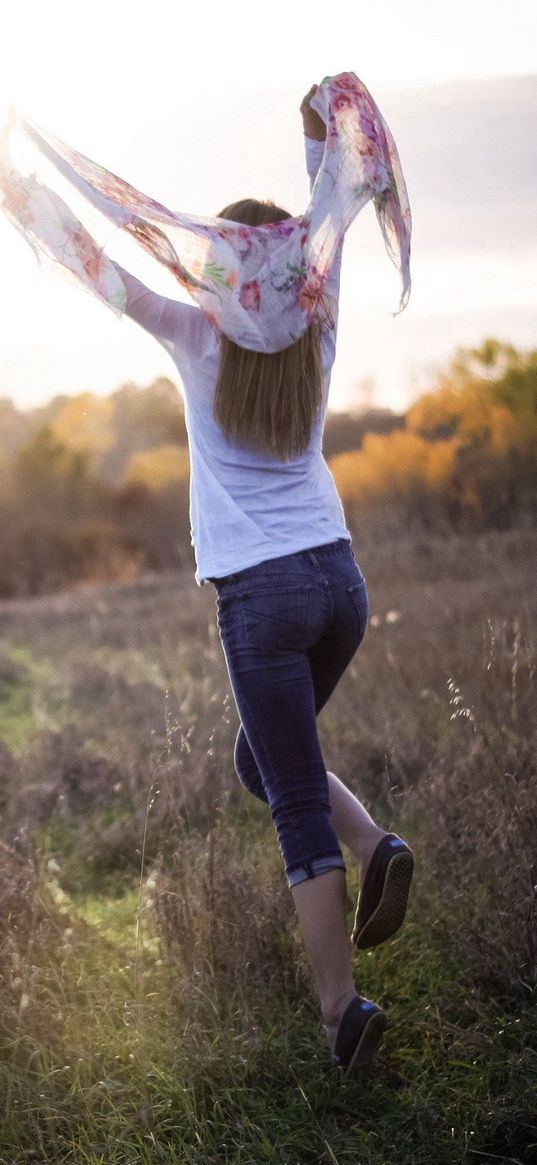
{"type": "Point", "coordinates": [289, 627]}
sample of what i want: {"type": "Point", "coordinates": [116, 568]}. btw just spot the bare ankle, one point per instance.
{"type": "Point", "coordinates": [333, 1010]}
{"type": "Point", "coordinates": [364, 846]}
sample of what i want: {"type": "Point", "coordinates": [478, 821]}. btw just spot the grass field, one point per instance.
{"type": "Point", "coordinates": [157, 1004]}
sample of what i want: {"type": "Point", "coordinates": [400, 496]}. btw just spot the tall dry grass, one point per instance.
{"type": "Point", "coordinates": [148, 934]}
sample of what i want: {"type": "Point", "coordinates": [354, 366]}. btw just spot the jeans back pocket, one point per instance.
{"type": "Point", "coordinates": [275, 616]}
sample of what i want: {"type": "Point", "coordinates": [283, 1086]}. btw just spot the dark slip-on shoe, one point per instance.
{"type": "Point", "coordinates": [383, 896]}
{"type": "Point", "coordinates": [359, 1033]}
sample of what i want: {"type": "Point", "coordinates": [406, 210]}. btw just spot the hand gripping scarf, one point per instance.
{"type": "Point", "coordinates": [261, 286]}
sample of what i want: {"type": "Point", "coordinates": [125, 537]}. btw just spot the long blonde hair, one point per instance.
{"type": "Point", "coordinates": [269, 401]}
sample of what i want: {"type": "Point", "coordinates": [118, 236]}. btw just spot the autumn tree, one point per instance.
{"type": "Point", "coordinates": [51, 476]}
{"type": "Point", "coordinates": [467, 454]}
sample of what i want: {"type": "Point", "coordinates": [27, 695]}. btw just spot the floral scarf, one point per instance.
{"type": "Point", "coordinates": [262, 285]}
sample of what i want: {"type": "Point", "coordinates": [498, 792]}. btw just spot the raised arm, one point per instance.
{"type": "Point", "coordinates": [176, 325]}
{"type": "Point", "coordinates": [314, 143]}
{"type": "Point", "coordinates": [314, 135]}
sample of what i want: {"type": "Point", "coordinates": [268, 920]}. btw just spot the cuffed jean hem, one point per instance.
{"type": "Point", "coordinates": [317, 866]}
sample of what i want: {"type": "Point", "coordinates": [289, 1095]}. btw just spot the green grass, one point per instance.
{"type": "Point", "coordinates": [132, 1075]}
{"type": "Point", "coordinates": [18, 721]}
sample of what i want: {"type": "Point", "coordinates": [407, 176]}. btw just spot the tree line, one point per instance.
{"type": "Point", "coordinates": [95, 488]}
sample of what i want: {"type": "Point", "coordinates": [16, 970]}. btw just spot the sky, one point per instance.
{"type": "Point", "coordinates": [198, 108]}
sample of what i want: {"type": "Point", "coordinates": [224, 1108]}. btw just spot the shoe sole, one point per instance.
{"type": "Point", "coordinates": [368, 1043]}
{"type": "Point", "coordinates": [391, 909]}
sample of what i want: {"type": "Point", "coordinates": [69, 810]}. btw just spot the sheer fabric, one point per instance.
{"type": "Point", "coordinates": [261, 286]}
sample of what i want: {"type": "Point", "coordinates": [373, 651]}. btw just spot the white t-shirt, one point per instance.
{"type": "Point", "coordinates": [245, 507]}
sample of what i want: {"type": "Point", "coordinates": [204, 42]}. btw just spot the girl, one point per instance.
{"type": "Point", "coordinates": [269, 533]}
